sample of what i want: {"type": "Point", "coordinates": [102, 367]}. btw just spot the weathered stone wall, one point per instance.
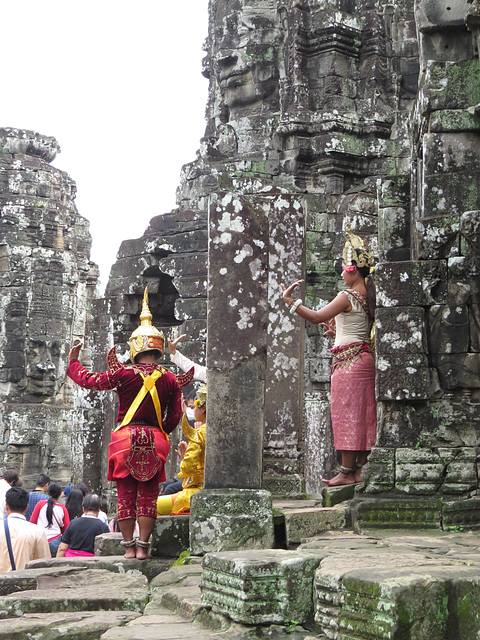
{"type": "Point", "coordinates": [428, 379]}
{"type": "Point", "coordinates": [47, 285]}
{"type": "Point", "coordinates": [307, 116]}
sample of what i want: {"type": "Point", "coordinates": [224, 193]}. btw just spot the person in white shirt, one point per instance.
{"type": "Point", "coordinates": [9, 479]}
{"type": "Point", "coordinates": [200, 372]}
{"type": "Point", "coordinates": [28, 540]}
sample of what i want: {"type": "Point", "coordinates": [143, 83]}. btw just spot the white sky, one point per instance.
{"type": "Point", "coordinates": [119, 85]}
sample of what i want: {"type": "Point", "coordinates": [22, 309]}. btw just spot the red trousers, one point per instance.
{"type": "Point", "coordinates": [137, 499]}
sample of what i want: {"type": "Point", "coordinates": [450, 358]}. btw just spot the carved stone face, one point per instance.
{"type": "Point", "coordinates": [244, 42]}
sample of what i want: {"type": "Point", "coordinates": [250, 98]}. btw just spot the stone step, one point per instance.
{"type": "Point", "coordinates": [115, 564]}
{"type": "Point", "coordinates": [73, 589]}
{"type": "Point", "coordinates": [336, 495]}
{"type": "Point", "coordinates": [177, 590]}
{"type": "Point", "coordinates": [84, 625]}
{"type": "Point", "coordinates": [303, 523]}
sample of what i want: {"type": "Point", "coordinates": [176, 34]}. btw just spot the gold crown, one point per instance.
{"type": "Point", "coordinates": [146, 337]}
{"type": "Point", "coordinates": [355, 250]}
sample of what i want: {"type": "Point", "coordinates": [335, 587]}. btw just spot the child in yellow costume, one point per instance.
{"type": "Point", "coordinates": [192, 466]}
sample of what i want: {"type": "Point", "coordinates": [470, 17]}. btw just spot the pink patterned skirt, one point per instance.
{"type": "Point", "coordinates": [352, 398]}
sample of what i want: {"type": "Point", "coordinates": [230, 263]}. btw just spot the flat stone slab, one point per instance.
{"type": "Point", "coordinates": [336, 495]}
{"type": "Point", "coordinates": [116, 564]}
{"type": "Point", "coordinates": [78, 589]}
{"type": "Point", "coordinates": [297, 504]}
{"type": "Point", "coordinates": [88, 625]}
{"type": "Point", "coordinates": [304, 523]}
{"type": "Point", "coordinates": [172, 627]}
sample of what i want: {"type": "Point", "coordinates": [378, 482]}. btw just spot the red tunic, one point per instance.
{"type": "Point", "coordinates": [127, 381]}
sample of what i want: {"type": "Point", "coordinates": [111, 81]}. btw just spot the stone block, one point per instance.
{"type": "Point", "coordinates": [464, 606]}
{"type": "Point", "coordinates": [170, 536]}
{"type": "Point", "coordinates": [418, 471]}
{"type": "Point", "coordinates": [461, 470]}
{"type": "Point", "coordinates": [284, 486]}
{"type": "Point", "coordinates": [306, 523]}
{"type": "Point", "coordinates": [393, 234]}
{"type": "Point", "coordinates": [437, 236]}
{"type": "Point", "coordinates": [431, 15]}
{"type": "Point", "coordinates": [404, 377]}
{"type": "Point", "coordinates": [451, 180]}
{"type": "Point", "coordinates": [416, 513]}
{"type": "Point", "coordinates": [226, 519]}
{"type": "Point", "coordinates": [336, 495]}
{"type": "Point", "coordinates": [453, 120]}
{"type": "Point", "coordinates": [448, 329]}
{"type": "Point", "coordinates": [402, 599]}
{"type": "Point", "coordinates": [461, 514]}
{"type": "Point", "coordinates": [470, 232]}
{"type": "Point", "coordinates": [379, 473]}
{"type": "Point", "coordinates": [411, 284]}
{"type": "Point", "coordinates": [400, 330]}
{"type": "Point", "coordinates": [451, 85]}
{"type": "Point", "coordinates": [272, 586]}
{"type": "Point", "coordinates": [178, 266]}
{"type": "Point", "coordinates": [75, 589]}
{"type": "Point", "coordinates": [450, 421]}
{"type": "Point", "coordinates": [446, 45]}
{"type": "Point", "coordinates": [78, 625]}
{"type": "Point", "coordinates": [108, 544]}
{"type": "Point", "coordinates": [458, 370]}
{"type": "Point", "coordinates": [401, 424]}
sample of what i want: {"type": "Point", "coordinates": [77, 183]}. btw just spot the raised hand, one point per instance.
{"type": "Point", "coordinates": [74, 351]}
{"type": "Point", "coordinates": [181, 449]}
{"type": "Point", "coordinates": [172, 344]}
{"type": "Point", "coordinates": [287, 292]}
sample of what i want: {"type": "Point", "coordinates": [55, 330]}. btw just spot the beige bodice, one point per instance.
{"type": "Point", "coordinates": [351, 326]}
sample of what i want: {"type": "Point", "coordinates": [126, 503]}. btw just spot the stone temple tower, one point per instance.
{"type": "Point", "coordinates": [47, 287]}
{"type": "Point", "coordinates": [321, 113]}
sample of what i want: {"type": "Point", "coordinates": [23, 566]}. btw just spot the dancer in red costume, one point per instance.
{"type": "Point", "coordinates": [149, 409]}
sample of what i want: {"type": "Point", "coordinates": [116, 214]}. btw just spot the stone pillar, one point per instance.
{"type": "Point", "coordinates": [232, 511]}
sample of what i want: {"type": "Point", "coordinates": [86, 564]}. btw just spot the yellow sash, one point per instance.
{"type": "Point", "coordinates": [147, 387]}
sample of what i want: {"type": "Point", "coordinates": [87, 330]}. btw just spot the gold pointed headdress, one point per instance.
{"type": "Point", "coordinates": [355, 250]}
{"type": "Point", "coordinates": [146, 337]}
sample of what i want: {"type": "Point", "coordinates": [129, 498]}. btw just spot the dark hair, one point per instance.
{"type": "Point", "coordinates": [158, 354]}
{"type": "Point", "coordinates": [371, 291]}
{"type": "Point", "coordinates": [11, 476]}
{"type": "Point", "coordinates": [74, 504]}
{"type": "Point", "coordinates": [91, 502]}
{"type": "Point", "coordinates": [54, 491]}
{"type": "Point", "coordinates": [82, 487]}
{"type": "Point", "coordinates": [42, 480]}
{"type": "Point", "coordinates": [17, 499]}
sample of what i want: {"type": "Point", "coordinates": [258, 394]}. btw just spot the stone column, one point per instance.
{"type": "Point", "coordinates": [232, 511]}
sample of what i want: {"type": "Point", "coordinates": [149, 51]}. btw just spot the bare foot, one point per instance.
{"type": "Point", "coordinates": [358, 474]}
{"type": "Point", "coordinates": [129, 552]}
{"type": "Point", "coordinates": [142, 554]}
{"type": "Point", "coordinates": [341, 479]}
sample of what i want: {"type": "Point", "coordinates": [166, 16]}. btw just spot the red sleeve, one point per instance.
{"type": "Point", "coordinates": [66, 518]}
{"type": "Point", "coordinates": [88, 379]}
{"type": "Point", "coordinates": [36, 511]}
{"type": "Point", "coordinates": [173, 409]}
